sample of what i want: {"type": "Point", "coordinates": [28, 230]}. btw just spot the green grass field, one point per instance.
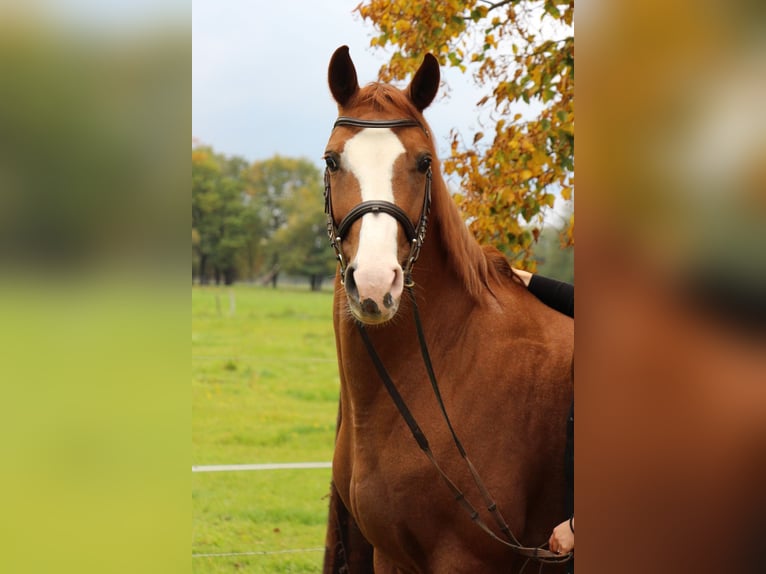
{"type": "Point", "coordinates": [264, 389]}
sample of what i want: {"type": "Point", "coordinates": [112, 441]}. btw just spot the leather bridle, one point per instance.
{"type": "Point", "coordinates": [415, 234]}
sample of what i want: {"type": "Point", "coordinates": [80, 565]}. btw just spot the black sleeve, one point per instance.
{"type": "Point", "coordinates": [555, 294]}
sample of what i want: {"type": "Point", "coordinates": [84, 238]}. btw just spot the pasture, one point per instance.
{"type": "Point", "coordinates": [264, 390]}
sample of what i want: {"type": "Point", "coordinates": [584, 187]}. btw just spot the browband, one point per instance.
{"type": "Point", "coordinates": [357, 123]}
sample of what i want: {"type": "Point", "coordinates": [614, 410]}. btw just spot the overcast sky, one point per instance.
{"type": "Point", "coordinates": [259, 76]}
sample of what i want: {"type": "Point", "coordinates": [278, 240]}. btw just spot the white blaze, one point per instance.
{"type": "Point", "coordinates": [370, 156]}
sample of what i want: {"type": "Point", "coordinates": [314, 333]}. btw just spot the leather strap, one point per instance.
{"type": "Point", "coordinates": [357, 123]}
{"type": "Point", "coordinates": [377, 206]}
{"type": "Point", "coordinates": [488, 500]}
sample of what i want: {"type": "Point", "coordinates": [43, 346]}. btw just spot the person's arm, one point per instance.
{"type": "Point", "coordinates": [556, 294]}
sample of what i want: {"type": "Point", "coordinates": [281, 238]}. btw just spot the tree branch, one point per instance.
{"type": "Point", "coordinates": [493, 5]}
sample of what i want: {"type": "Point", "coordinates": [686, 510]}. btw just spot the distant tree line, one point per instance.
{"type": "Point", "coordinates": [258, 221]}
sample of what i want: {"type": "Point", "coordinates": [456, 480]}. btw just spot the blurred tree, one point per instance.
{"type": "Point", "coordinates": [520, 51]}
{"type": "Point", "coordinates": [273, 185]}
{"type": "Point", "coordinates": [551, 260]}
{"type": "Point", "coordinates": [302, 241]}
{"type": "Point", "coordinates": [222, 222]}
{"type": "Point", "coordinates": [264, 218]}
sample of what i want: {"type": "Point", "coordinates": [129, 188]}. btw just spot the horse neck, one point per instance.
{"type": "Point", "coordinates": [452, 276]}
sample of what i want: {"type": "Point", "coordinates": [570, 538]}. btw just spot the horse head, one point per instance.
{"type": "Point", "coordinates": [377, 183]}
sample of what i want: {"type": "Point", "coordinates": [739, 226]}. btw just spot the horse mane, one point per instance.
{"type": "Point", "coordinates": [478, 267]}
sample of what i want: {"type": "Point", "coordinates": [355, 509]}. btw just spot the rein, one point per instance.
{"type": "Point", "coordinates": [415, 236]}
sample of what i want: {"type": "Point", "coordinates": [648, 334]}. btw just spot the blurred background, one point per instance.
{"type": "Point", "coordinates": [671, 374]}
{"type": "Point", "coordinates": [95, 417]}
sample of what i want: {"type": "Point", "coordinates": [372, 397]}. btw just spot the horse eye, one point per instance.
{"type": "Point", "coordinates": [331, 162]}
{"type": "Point", "coordinates": [424, 163]}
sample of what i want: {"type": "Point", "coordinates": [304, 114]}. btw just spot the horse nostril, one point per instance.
{"type": "Point", "coordinates": [350, 284]}
{"type": "Point", "coordinates": [370, 307]}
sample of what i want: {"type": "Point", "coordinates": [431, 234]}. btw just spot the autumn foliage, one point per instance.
{"type": "Point", "coordinates": [523, 53]}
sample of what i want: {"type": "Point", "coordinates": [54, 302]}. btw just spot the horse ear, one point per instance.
{"type": "Point", "coordinates": [425, 84]}
{"type": "Point", "coordinates": [341, 76]}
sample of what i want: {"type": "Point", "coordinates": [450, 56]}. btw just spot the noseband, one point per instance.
{"type": "Point", "coordinates": [415, 234]}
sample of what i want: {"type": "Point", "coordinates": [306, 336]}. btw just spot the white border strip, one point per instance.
{"type": "Point", "coordinates": [267, 466]}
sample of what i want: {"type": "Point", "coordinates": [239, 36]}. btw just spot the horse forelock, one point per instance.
{"type": "Point", "coordinates": [476, 267]}
{"type": "Point", "coordinates": [379, 97]}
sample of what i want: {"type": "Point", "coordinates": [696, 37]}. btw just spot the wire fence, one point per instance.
{"type": "Point", "coordinates": [256, 467]}
{"type": "Point", "coordinates": [266, 466]}
{"type": "Point", "coordinates": [258, 553]}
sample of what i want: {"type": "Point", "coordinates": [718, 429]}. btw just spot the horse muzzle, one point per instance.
{"type": "Point", "coordinates": [374, 293]}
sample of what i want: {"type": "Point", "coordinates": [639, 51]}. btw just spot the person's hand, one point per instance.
{"type": "Point", "coordinates": [562, 538]}
{"type": "Point", "coordinates": [525, 276]}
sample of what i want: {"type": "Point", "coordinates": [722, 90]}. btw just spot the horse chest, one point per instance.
{"type": "Point", "coordinates": [393, 490]}
{"type": "Point", "coordinates": [406, 512]}
{"type": "Point", "coordinates": [392, 502]}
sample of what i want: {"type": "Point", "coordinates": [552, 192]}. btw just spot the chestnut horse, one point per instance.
{"type": "Point", "coordinates": [502, 359]}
